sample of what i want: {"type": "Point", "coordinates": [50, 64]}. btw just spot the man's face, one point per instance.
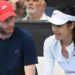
{"type": "Point", "coordinates": [34, 6]}
{"type": "Point", "coordinates": [7, 26]}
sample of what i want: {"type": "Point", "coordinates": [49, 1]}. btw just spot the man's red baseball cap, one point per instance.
{"type": "Point", "coordinates": [6, 10]}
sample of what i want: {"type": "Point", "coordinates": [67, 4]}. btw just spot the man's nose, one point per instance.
{"type": "Point", "coordinates": [30, 2]}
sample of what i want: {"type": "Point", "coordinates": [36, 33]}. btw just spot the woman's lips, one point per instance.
{"type": "Point", "coordinates": [57, 34]}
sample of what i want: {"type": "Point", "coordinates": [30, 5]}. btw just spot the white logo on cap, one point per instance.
{"type": "Point", "coordinates": [4, 7]}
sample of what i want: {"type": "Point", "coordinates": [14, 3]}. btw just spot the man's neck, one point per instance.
{"type": "Point", "coordinates": [5, 36]}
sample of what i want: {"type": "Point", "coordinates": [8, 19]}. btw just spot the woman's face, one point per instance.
{"type": "Point", "coordinates": [62, 32]}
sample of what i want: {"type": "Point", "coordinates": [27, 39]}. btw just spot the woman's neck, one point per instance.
{"type": "Point", "coordinates": [67, 42]}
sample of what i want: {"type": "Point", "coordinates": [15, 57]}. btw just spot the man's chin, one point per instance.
{"type": "Point", "coordinates": [31, 11]}
{"type": "Point", "coordinates": [9, 32]}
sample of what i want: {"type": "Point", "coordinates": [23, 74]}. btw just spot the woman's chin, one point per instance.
{"type": "Point", "coordinates": [57, 37]}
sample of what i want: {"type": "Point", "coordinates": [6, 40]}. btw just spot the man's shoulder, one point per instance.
{"type": "Point", "coordinates": [22, 32]}
{"type": "Point", "coordinates": [45, 17]}
{"type": "Point", "coordinates": [25, 18]}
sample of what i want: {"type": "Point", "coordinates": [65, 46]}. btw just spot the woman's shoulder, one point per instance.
{"type": "Point", "coordinates": [51, 39]}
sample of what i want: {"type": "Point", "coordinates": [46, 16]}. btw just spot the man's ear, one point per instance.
{"type": "Point", "coordinates": [44, 5]}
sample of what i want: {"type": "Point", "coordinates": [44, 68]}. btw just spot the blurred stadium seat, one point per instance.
{"type": "Point", "coordinates": [49, 10]}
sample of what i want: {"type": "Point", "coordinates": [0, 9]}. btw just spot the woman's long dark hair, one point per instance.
{"type": "Point", "coordinates": [74, 35]}
{"type": "Point", "coordinates": [70, 10]}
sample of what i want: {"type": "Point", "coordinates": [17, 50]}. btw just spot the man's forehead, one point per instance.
{"type": "Point", "coordinates": [35, 0]}
{"type": "Point", "coordinates": [41, 1]}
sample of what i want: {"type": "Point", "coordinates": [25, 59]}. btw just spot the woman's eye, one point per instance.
{"type": "Point", "coordinates": [59, 26]}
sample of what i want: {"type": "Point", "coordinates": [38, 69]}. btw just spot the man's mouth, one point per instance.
{"type": "Point", "coordinates": [5, 32]}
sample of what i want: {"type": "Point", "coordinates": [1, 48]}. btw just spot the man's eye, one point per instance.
{"type": "Point", "coordinates": [9, 19]}
{"type": "Point", "coordinates": [36, 0]}
{"type": "Point", "coordinates": [6, 21]}
{"type": "Point", "coordinates": [27, 0]}
{"type": "Point", "coordinates": [32, 0]}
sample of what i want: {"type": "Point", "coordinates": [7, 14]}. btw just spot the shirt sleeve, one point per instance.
{"type": "Point", "coordinates": [49, 61]}
{"type": "Point", "coordinates": [29, 50]}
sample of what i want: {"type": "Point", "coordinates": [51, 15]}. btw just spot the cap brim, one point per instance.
{"type": "Point", "coordinates": [4, 16]}
{"type": "Point", "coordinates": [57, 21]}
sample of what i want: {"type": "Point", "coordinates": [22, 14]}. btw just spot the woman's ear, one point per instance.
{"type": "Point", "coordinates": [73, 25]}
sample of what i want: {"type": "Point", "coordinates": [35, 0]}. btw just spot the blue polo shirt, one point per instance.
{"type": "Point", "coordinates": [16, 52]}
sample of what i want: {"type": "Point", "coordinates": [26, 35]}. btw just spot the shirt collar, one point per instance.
{"type": "Point", "coordinates": [70, 48]}
{"type": "Point", "coordinates": [44, 17]}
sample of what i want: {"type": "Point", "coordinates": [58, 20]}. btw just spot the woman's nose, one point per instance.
{"type": "Point", "coordinates": [54, 28]}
